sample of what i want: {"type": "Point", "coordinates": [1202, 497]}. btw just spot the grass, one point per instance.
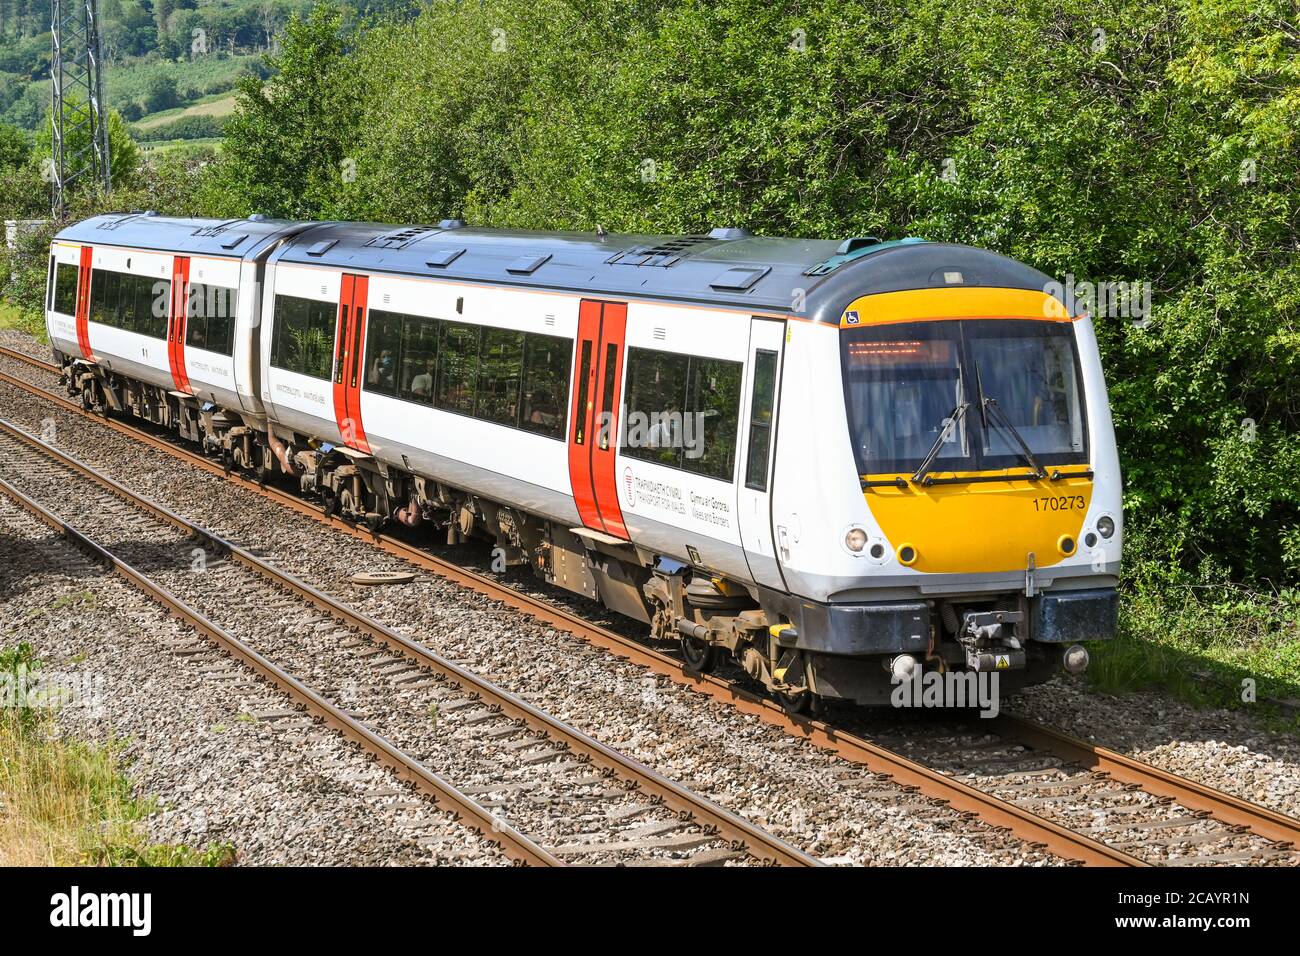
{"type": "Point", "coordinates": [13, 317]}
{"type": "Point", "coordinates": [218, 104]}
{"type": "Point", "coordinates": [65, 802]}
{"type": "Point", "coordinates": [1212, 647]}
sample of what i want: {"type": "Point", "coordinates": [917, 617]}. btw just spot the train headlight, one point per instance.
{"type": "Point", "coordinates": [1106, 526]}
{"type": "Point", "coordinates": [1065, 544]}
{"type": "Point", "coordinates": [906, 555]}
{"type": "Point", "coordinates": [855, 540]}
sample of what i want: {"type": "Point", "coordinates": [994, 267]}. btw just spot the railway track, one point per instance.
{"type": "Point", "coordinates": [546, 792]}
{"type": "Point", "coordinates": [1063, 772]}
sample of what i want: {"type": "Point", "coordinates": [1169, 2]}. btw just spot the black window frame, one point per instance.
{"type": "Point", "coordinates": [406, 372]}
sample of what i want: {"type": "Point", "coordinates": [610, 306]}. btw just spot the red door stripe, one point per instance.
{"type": "Point", "coordinates": [581, 414]}
{"type": "Point", "coordinates": [181, 278]}
{"type": "Point", "coordinates": [349, 346]}
{"type": "Point", "coordinates": [604, 449]}
{"type": "Point", "coordinates": [356, 374]}
{"type": "Point", "coordinates": [341, 357]}
{"type": "Point", "coordinates": [83, 303]}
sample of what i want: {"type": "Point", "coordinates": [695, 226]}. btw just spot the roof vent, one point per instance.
{"type": "Point", "coordinates": [320, 248]}
{"type": "Point", "coordinates": [257, 217]}
{"type": "Point", "coordinates": [664, 254]}
{"type": "Point", "coordinates": [443, 258]}
{"type": "Point", "coordinates": [527, 265]}
{"type": "Point", "coordinates": [854, 243]}
{"type": "Point", "coordinates": [402, 238]}
{"type": "Point", "coordinates": [452, 224]}
{"type": "Point", "coordinates": [730, 232]}
{"type": "Point", "coordinates": [233, 241]}
{"type": "Point", "coordinates": [740, 278]}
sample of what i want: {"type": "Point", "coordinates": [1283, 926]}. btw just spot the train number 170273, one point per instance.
{"type": "Point", "coordinates": [1060, 503]}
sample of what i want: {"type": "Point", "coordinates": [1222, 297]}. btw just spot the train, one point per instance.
{"type": "Point", "coordinates": [840, 463]}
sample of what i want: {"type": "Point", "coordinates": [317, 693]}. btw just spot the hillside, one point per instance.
{"type": "Point", "coordinates": [166, 60]}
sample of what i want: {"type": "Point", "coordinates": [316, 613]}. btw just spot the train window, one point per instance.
{"type": "Point", "coordinates": [712, 406]}
{"type": "Point", "coordinates": [49, 286]}
{"type": "Point", "coordinates": [656, 389]}
{"type": "Point", "coordinates": [1029, 369]}
{"type": "Point", "coordinates": [383, 352]}
{"type": "Point", "coordinates": [65, 288]}
{"type": "Point", "coordinates": [760, 420]}
{"type": "Point", "coordinates": [419, 358]}
{"type": "Point", "coordinates": [584, 391]}
{"type": "Point", "coordinates": [500, 369]}
{"type": "Point", "coordinates": [607, 394]}
{"type": "Point", "coordinates": [682, 411]}
{"type": "Point", "coordinates": [104, 289]}
{"type": "Point", "coordinates": [547, 360]}
{"type": "Point", "coordinates": [210, 318]}
{"type": "Point", "coordinates": [302, 340]}
{"type": "Point", "coordinates": [458, 367]}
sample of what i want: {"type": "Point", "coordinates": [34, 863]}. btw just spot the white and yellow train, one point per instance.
{"type": "Point", "coordinates": [844, 463]}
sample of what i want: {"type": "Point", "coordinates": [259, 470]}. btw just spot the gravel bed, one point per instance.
{"type": "Point", "coordinates": [556, 799]}
{"type": "Point", "coordinates": [827, 807]}
{"type": "Point", "coordinates": [22, 342]}
{"type": "Point", "coordinates": [1225, 749]}
{"type": "Point", "coordinates": [223, 756]}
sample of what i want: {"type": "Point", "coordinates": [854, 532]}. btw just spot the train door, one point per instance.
{"type": "Point", "coordinates": [348, 369]}
{"type": "Point", "coordinates": [177, 314]}
{"type": "Point", "coordinates": [594, 417]}
{"type": "Point", "coordinates": [83, 303]}
{"type": "Point", "coordinates": [754, 506]}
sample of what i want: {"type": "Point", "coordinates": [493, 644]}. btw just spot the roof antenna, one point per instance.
{"type": "Point", "coordinates": [600, 230]}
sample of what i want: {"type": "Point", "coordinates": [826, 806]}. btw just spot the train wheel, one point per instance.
{"type": "Point", "coordinates": [799, 703]}
{"type": "Point", "coordinates": [700, 656]}
{"type": "Point", "coordinates": [329, 501]}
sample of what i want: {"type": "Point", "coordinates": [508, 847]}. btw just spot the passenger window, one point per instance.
{"type": "Point", "coordinates": [500, 368]}
{"type": "Point", "coordinates": [656, 386]}
{"type": "Point", "coordinates": [383, 352]}
{"type": "Point", "coordinates": [210, 318]}
{"type": "Point", "coordinates": [302, 340]}
{"type": "Point", "coordinates": [419, 358]}
{"type": "Point", "coordinates": [66, 278]}
{"type": "Point", "coordinates": [458, 367]}
{"type": "Point", "coordinates": [712, 406]}
{"type": "Point", "coordinates": [682, 411]}
{"type": "Point", "coordinates": [547, 361]}
{"type": "Point", "coordinates": [760, 420]}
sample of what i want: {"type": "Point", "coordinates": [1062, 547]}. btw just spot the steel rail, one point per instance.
{"type": "Point", "coordinates": [740, 832]}
{"type": "Point", "coordinates": [513, 843]}
{"type": "Point", "coordinates": [997, 812]}
{"type": "Point", "coordinates": [1222, 806]}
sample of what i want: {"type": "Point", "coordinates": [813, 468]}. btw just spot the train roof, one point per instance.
{"type": "Point", "coordinates": [727, 267]}
{"type": "Point", "coordinates": [227, 238]}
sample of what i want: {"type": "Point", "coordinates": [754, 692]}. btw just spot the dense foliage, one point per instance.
{"type": "Point", "coordinates": [1149, 141]}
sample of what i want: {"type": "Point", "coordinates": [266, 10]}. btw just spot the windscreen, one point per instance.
{"type": "Point", "coordinates": [1019, 380]}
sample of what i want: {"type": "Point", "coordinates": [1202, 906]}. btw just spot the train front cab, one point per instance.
{"type": "Point", "coordinates": [979, 526]}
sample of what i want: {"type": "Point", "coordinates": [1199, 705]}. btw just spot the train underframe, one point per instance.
{"type": "Point", "coordinates": [803, 653]}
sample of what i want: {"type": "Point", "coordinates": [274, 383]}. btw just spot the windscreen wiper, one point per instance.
{"type": "Point", "coordinates": [954, 418]}
{"type": "Point", "coordinates": [991, 405]}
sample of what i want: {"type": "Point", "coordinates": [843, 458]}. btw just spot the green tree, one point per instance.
{"type": "Point", "coordinates": [15, 148]}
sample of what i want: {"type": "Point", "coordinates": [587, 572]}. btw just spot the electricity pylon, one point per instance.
{"type": "Point", "coordinates": [79, 117]}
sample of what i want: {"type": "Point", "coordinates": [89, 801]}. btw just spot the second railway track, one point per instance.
{"type": "Point", "coordinates": [545, 791]}
{"type": "Point", "coordinates": [1074, 798]}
